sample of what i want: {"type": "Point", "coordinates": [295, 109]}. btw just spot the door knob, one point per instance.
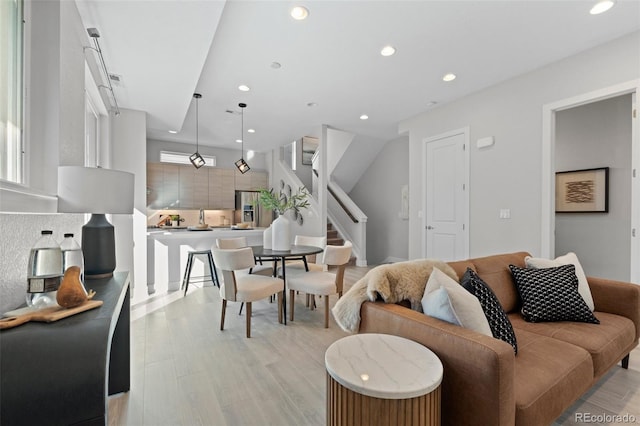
{"type": "Point", "coordinates": [429, 227]}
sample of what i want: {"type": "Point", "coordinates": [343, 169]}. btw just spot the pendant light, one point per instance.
{"type": "Point", "coordinates": [241, 164]}
{"type": "Point", "coordinates": [196, 158]}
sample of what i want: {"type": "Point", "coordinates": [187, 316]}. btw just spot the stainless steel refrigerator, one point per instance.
{"type": "Point", "coordinates": [249, 210]}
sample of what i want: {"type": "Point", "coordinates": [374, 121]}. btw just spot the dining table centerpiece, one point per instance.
{"type": "Point", "coordinates": [281, 203]}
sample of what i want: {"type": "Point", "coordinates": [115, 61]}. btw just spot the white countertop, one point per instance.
{"type": "Point", "coordinates": [383, 366]}
{"type": "Point", "coordinates": [186, 233]}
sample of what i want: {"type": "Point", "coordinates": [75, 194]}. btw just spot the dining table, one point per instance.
{"type": "Point", "coordinates": [295, 252]}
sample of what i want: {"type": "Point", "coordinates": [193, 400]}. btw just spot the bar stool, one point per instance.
{"type": "Point", "coordinates": [213, 276]}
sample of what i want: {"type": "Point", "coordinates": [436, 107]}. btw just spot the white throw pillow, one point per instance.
{"type": "Point", "coordinates": [568, 259]}
{"type": "Point", "coordinates": [466, 306]}
{"type": "Point", "coordinates": [437, 304]}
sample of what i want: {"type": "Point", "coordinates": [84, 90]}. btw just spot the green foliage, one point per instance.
{"type": "Point", "coordinates": [281, 203]}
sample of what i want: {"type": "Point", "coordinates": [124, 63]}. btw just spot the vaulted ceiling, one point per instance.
{"type": "Point", "coordinates": [330, 67]}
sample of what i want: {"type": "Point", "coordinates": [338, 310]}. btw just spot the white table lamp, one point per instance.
{"type": "Point", "coordinates": [97, 191]}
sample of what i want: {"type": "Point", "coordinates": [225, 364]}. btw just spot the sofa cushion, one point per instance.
{"type": "Point", "coordinates": [605, 342]}
{"type": "Point", "coordinates": [551, 294]}
{"type": "Point", "coordinates": [494, 270]}
{"type": "Point", "coordinates": [466, 306]}
{"type": "Point", "coordinates": [569, 258]}
{"type": "Point", "coordinates": [549, 376]}
{"type": "Point", "coordinates": [500, 326]}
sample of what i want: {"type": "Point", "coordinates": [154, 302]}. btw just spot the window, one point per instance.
{"type": "Point", "coordinates": [11, 99]}
{"type": "Point", "coordinates": [182, 158]}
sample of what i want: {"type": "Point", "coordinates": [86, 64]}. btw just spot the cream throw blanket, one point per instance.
{"type": "Point", "coordinates": [393, 282]}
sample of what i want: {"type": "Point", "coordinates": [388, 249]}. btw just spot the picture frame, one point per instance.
{"type": "Point", "coordinates": [309, 147]}
{"type": "Point", "coordinates": [583, 191]}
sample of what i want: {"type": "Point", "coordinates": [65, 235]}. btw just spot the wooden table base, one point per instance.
{"type": "Point", "coordinates": [348, 408]}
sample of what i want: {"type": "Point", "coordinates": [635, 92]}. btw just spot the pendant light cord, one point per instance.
{"type": "Point", "coordinates": [197, 96]}
{"type": "Point", "coordinates": [242, 106]}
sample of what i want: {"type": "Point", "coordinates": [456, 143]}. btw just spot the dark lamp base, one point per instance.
{"type": "Point", "coordinates": [98, 247]}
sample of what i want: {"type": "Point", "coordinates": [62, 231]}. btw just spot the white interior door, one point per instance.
{"type": "Point", "coordinates": [446, 200]}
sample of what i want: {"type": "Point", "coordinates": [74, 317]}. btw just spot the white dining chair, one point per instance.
{"type": "Point", "coordinates": [303, 263]}
{"type": "Point", "coordinates": [322, 283]}
{"type": "Point", "coordinates": [240, 242]}
{"type": "Point", "coordinates": [239, 286]}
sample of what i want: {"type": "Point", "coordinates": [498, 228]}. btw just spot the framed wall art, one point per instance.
{"type": "Point", "coordinates": [583, 191]}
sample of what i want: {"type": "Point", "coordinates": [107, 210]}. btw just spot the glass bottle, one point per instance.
{"type": "Point", "coordinates": [72, 256]}
{"type": "Point", "coordinates": [45, 271]}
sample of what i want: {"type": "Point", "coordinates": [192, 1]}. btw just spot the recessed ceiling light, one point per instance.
{"type": "Point", "coordinates": [364, 117]}
{"type": "Point", "coordinates": [275, 65]}
{"type": "Point", "coordinates": [602, 6]}
{"type": "Point", "coordinates": [173, 132]}
{"type": "Point", "coordinates": [251, 131]}
{"type": "Point", "coordinates": [299, 13]}
{"type": "Point", "coordinates": [449, 77]}
{"type": "Point", "coordinates": [388, 51]}
{"type": "Point", "coordinates": [239, 140]}
{"type": "Point", "coordinates": [243, 88]}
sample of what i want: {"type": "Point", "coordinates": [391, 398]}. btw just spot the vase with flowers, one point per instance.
{"type": "Point", "coordinates": [281, 203]}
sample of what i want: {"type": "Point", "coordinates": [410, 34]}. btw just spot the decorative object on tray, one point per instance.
{"type": "Point", "coordinates": [49, 314]}
{"type": "Point", "coordinates": [71, 296]}
{"type": "Point", "coordinates": [583, 191]}
{"type": "Point", "coordinates": [198, 228]}
{"type": "Point", "coordinates": [281, 203]}
{"type": "Point", "coordinates": [71, 292]}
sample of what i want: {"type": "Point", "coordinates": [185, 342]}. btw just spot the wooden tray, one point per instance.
{"type": "Point", "coordinates": [50, 314]}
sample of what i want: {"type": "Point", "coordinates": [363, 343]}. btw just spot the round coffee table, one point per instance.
{"type": "Point", "coordinates": [380, 379]}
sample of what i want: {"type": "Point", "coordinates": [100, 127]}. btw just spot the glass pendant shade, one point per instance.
{"type": "Point", "coordinates": [197, 160]}
{"type": "Point", "coordinates": [242, 166]}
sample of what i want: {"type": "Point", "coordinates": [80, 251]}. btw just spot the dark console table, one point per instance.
{"type": "Point", "coordinates": [60, 373]}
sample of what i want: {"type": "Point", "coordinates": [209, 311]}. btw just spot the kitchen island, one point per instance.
{"type": "Point", "coordinates": [167, 251]}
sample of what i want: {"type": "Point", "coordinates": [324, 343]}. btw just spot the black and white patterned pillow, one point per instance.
{"type": "Point", "coordinates": [499, 323]}
{"type": "Point", "coordinates": [551, 294]}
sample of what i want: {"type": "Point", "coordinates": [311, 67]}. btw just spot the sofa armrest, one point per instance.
{"type": "Point", "coordinates": [617, 297]}
{"type": "Point", "coordinates": [478, 381]}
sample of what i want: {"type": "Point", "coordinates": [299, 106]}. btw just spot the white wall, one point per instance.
{"type": "Point", "coordinates": [129, 131]}
{"type": "Point", "coordinates": [54, 134]}
{"type": "Point", "coordinates": [336, 143]}
{"type": "Point", "coordinates": [508, 175]}
{"type": "Point", "coordinates": [378, 194]}
{"type": "Point", "coordinates": [591, 136]}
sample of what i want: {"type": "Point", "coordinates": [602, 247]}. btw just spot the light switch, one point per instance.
{"type": "Point", "coordinates": [505, 214]}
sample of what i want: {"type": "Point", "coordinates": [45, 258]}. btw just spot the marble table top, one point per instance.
{"type": "Point", "coordinates": [383, 366]}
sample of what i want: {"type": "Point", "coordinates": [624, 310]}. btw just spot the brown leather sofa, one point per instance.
{"type": "Point", "coordinates": [484, 383]}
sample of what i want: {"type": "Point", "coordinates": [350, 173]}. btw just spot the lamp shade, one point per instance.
{"type": "Point", "coordinates": [94, 190]}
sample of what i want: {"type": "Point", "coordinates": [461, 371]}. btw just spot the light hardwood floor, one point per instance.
{"type": "Point", "coordinates": [185, 371]}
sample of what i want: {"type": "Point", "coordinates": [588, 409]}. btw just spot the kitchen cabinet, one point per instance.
{"type": "Point", "coordinates": [173, 186]}
{"type": "Point", "coordinates": [163, 186]}
{"type": "Point", "coordinates": [243, 181]}
{"type": "Point", "coordinates": [154, 185]}
{"type": "Point", "coordinates": [170, 186]}
{"type": "Point", "coordinates": [221, 189]}
{"type": "Point", "coordinates": [193, 188]}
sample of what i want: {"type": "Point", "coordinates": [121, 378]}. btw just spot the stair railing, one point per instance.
{"type": "Point", "coordinates": [348, 220]}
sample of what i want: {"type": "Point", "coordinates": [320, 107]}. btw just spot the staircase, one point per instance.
{"type": "Point", "coordinates": [333, 238]}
